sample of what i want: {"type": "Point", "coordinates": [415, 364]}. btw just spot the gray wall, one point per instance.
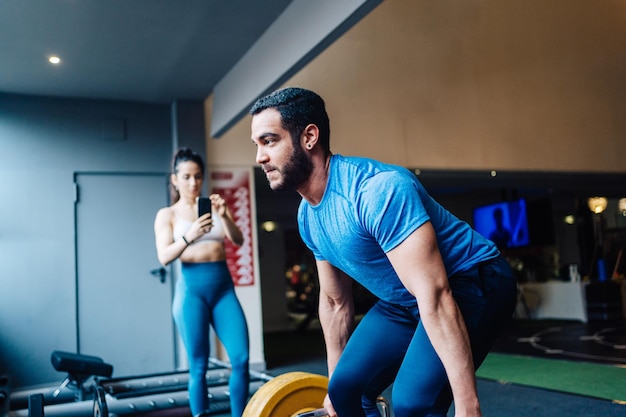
{"type": "Point", "coordinates": [43, 142]}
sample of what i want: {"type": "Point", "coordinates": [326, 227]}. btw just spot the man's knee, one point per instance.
{"type": "Point", "coordinates": [411, 403]}
{"type": "Point", "coordinates": [344, 391]}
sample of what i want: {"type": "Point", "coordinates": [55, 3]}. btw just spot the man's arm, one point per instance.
{"type": "Point", "coordinates": [336, 313]}
{"type": "Point", "coordinates": [336, 310]}
{"type": "Point", "coordinates": [418, 263]}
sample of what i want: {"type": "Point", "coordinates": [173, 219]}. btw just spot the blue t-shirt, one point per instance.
{"type": "Point", "coordinates": [368, 209]}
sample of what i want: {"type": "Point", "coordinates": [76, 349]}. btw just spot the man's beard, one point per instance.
{"type": "Point", "coordinates": [296, 171]}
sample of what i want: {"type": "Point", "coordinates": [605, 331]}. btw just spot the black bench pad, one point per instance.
{"type": "Point", "coordinates": [84, 365]}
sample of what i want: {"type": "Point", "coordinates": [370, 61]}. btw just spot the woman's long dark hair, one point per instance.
{"type": "Point", "coordinates": [183, 155]}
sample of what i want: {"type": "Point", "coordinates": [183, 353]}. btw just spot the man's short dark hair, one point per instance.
{"type": "Point", "coordinates": [298, 108]}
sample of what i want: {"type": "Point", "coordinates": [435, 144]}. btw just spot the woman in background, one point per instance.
{"type": "Point", "coordinates": [204, 294]}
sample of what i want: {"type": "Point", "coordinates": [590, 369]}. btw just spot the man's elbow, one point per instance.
{"type": "Point", "coordinates": [343, 304]}
{"type": "Point", "coordinates": [438, 300]}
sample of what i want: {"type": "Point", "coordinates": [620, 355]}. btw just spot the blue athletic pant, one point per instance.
{"type": "Point", "coordinates": [205, 296]}
{"type": "Point", "coordinates": [390, 345]}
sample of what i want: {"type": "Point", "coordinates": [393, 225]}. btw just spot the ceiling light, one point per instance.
{"type": "Point", "coordinates": [54, 60]}
{"type": "Point", "coordinates": [597, 204]}
{"type": "Point", "coordinates": [494, 173]}
{"type": "Point", "coordinates": [569, 219]}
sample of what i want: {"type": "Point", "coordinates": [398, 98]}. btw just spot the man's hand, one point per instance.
{"type": "Point", "coordinates": [329, 407]}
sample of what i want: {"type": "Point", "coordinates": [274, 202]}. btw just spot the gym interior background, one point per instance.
{"type": "Point", "coordinates": [531, 92]}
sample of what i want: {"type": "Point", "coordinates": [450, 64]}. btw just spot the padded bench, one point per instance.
{"type": "Point", "coordinates": [79, 368]}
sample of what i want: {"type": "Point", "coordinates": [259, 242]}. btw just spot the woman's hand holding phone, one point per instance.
{"type": "Point", "coordinates": [204, 222]}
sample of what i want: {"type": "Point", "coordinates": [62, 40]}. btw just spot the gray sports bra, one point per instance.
{"type": "Point", "coordinates": [216, 234]}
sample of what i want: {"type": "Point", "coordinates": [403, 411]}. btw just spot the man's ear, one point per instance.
{"type": "Point", "coordinates": [310, 135]}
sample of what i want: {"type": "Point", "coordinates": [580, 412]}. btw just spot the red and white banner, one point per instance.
{"type": "Point", "coordinates": [234, 187]}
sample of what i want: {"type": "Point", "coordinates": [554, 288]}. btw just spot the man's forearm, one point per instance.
{"type": "Point", "coordinates": [446, 329]}
{"type": "Point", "coordinates": [337, 322]}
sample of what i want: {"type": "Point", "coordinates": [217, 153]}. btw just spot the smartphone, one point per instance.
{"type": "Point", "coordinates": [204, 206]}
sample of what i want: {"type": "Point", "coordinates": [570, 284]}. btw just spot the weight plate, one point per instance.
{"type": "Point", "coordinates": [287, 395]}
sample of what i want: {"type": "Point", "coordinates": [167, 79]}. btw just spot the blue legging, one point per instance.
{"type": "Point", "coordinates": [205, 296]}
{"type": "Point", "coordinates": [390, 345]}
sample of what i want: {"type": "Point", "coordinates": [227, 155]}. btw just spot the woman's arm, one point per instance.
{"type": "Point", "coordinates": [230, 227]}
{"type": "Point", "coordinates": [167, 249]}
{"type": "Point", "coordinates": [418, 263]}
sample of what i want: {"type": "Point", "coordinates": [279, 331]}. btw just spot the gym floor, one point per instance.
{"type": "Point", "coordinates": [595, 341]}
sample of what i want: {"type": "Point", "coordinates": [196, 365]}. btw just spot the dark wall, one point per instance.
{"type": "Point", "coordinates": [43, 143]}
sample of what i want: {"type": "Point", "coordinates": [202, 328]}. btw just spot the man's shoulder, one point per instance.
{"type": "Point", "coordinates": [364, 166]}
{"type": "Point", "coordinates": [357, 175]}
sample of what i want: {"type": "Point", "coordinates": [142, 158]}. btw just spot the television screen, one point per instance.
{"type": "Point", "coordinates": [504, 223]}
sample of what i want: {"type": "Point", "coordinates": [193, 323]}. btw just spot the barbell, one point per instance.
{"type": "Point", "coordinates": [292, 394]}
{"type": "Point", "coordinates": [289, 395]}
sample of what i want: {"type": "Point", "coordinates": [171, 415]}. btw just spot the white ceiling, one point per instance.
{"type": "Point", "coordinates": [154, 51]}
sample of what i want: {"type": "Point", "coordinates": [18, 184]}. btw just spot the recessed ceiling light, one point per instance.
{"type": "Point", "coordinates": [54, 60]}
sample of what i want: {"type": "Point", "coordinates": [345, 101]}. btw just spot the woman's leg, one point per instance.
{"type": "Point", "coordinates": [370, 360]}
{"type": "Point", "coordinates": [230, 326]}
{"type": "Point", "coordinates": [191, 317]}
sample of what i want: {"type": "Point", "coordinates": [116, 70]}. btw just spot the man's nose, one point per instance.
{"type": "Point", "coordinates": [261, 156]}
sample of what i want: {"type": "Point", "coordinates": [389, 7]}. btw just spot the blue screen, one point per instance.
{"type": "Point", "coordinates": [505, 223]}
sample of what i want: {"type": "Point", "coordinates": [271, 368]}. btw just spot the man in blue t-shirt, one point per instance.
{"type": "Point", "coordinates": [444, 291]}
